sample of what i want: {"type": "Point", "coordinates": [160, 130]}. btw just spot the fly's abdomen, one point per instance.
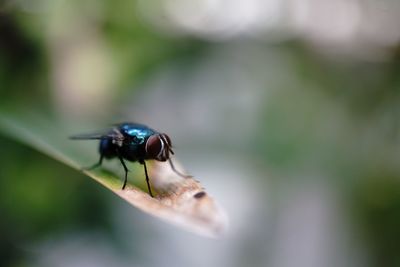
{"type": "Point", "coordinates": [107, 148]}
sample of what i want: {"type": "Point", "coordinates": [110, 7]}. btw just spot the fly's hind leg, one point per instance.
{"type": "Point", "coordinates": [98, 164]}
{"type": "Point", "coordinates": [126, 171]}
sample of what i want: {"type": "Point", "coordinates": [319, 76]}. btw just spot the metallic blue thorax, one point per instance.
{"type": "Point", "coordinates": [138, 132]}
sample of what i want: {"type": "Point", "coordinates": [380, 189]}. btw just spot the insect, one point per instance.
{"type": "Point", "coordinates": [133, 142]}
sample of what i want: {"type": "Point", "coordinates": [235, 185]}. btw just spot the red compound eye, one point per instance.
{"type": "Point", "coordinates": [154, 147]}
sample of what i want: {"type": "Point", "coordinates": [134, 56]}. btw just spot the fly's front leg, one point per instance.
{"type": "Point", "coordinates": [177, 172]}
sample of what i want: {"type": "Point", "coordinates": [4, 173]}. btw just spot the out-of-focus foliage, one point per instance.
{"type": "Point", "coordinates": [291, 105]}
{"type": "Point", "coordinates": [40, 197]}
{"type": "Point", "coordinates": [377, 206]}
{"type": "Point", "coordinates": [23, 69]}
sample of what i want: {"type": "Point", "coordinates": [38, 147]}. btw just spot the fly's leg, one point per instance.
{"type": "Point", "coordinates": [98, 164]}
{"type": "Point", "coordinates": [173, 168]}
{"type": "Point", "coordinates": [126, 171]}
{"type": "Point", "coordinates": [147, 177]}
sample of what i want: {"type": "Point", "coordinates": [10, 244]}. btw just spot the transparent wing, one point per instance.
{"type": "Point", "coordinates": [113, 134]}
{"type": "Point", "coordinates": [89, 136]}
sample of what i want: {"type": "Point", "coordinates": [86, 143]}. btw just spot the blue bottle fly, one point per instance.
{"type": "Point", "coordinates": [133, 142]}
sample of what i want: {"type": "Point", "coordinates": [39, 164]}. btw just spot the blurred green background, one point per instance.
{"type": "Point", "coordinates": [287, 111]}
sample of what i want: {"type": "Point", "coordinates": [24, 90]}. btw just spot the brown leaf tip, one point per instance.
{"type": "Point", "coordinates": [199, 195]}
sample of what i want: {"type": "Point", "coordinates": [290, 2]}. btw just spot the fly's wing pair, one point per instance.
{"type": "Point", "coordinates": [113, 133]}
